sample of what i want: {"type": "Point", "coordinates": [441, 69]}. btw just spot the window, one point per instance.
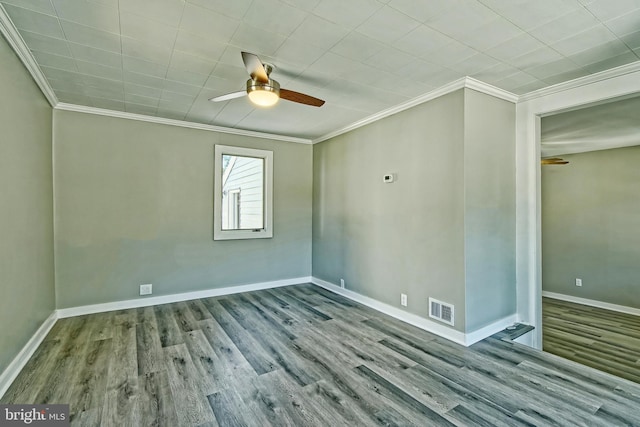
{"type": "Point", "coordinates": [242, 193]}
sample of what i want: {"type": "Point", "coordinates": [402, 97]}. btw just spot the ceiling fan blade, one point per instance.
{"type": "Point", "coordinates": [553, 162]}
{"type": "Point", "coordinates": [229, 96]}
{"type": "Point", "coordinates": [300, 98]}
{"type": "Point", "coordinates": [254, 67]}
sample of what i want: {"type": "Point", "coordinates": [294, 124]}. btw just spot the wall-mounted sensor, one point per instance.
{"type": "Point", "coordinates": [389, 177]}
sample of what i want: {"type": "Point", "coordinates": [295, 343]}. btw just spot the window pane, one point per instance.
{"type": "Point", "coordinates": [242, 193]}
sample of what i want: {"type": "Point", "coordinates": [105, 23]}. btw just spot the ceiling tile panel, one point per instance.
{"type": "Point", "coordinates": [424, 10]}
{"type": "Point", "coordinates": [195, 44]}
{"type": "Point", "coordinates": [92, 37]}
{"type": "Point", "coordinates": [465, 18]}
{"type": "Point", "coordinates": [98, 70]}
{"type": "Point", "coordinates": [45, 44]}
{"type": "Point", "coordinates": [143, 79]}
{"type": "Point", "coordinates": [188, 77]}
{"type": "Point", "coordinates": [491, 34]}
{"type": "Point", "coordinates": [564, 26]}
{"type": "Point", "coordinates": [35, 22]}
{"type": "Point", "coordinates": [135, 89]}
{"type": "Point", "coordinates": [55, 61]}
{"type": "Point", "coordinates": [93, 15]}
{"type": "Point", "coordinates": [625, 24]}
{"type": "Point", "coordinates": [515, 47]}
{"type": "Point", "coordinates": [422, 40]}
{"type": "Point", "coordinates": [107, 104]}
{"type": "Point", "coordinates": [147, 31]}
{"type": "Point", "coordinates": [388, 25]}
{"type": "Point", "coordinates": [599, 53]}
{"type": "Point", "coordinates": [274, 16]}
{"type": "Point", "coordinates": [149, 52]}
{"type": "Point", "coordinates": [318, 32]}
{"type": "Point", "coordinates": [42, 6]}
{"type": "Point", "coordinates": [254, 39]}
{"type": "Point", "coordinates": [207, 23]}
{"type": "Point", "coordinates": [528, 14]}
{"type": "Point", "coordinates": [297, 52]}
{"type": "Point", "coordinates": [350, 14]}
{"type": "Point", "coordinates": [356, 46]}
{"type": "Point", "coordinates": [235, 9]}
{"type": "Point", "coordinates": [168, 12]}
{"type": "Point", "coordinates": [141, 66]}
{"type": "Point", "coordinates": [593, 36]}
{"type": "Point", "coordinates": [606, 10]}
{"type": "Point", "coordinates": [90, 54]}
{"type": "Point", "coordinates": [141, 100]}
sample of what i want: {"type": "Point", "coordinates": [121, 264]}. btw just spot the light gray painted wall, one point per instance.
{"type": "Point", "coordinates": [490, 209]}
{"type": "Point", "coordinates": [445, 229]}
{"type": "Point", "coordinates": [404, 237]}
{"type": "Point", "coordinates": [591, 226]}
{"type": "Point", "coordinates": [26, 207]}
{"type": "Point", "coordinates": [134, 205]}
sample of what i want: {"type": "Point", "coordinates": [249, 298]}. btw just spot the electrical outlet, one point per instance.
{"type": "Point", "coordinates": [403, 300]}
{"type": "Point", "coordinates": [578, 282]}
{"type": "Point", "coordinates": [342, 283]}
{"type": "Point", "coordinates": [146, 289]}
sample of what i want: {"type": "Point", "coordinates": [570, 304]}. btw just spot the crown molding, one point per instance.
{"type": "Point", "coordinates": [16, 41]}
{"type": "Point", "coordinates": [180, 123]}
{"type": "Point", "coordinates": [465, 82]}
{"type": "Point", "coordinates": [622, 70]}
{"type": "Point", "coordinates": [486, 88]}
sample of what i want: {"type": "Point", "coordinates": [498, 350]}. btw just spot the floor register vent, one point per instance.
{"type": "Point", "coordinates": [441, 311]}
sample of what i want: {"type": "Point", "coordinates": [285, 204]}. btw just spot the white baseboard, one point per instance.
{"type": "Point", "coordinates": [593, 303]}
{"type": "Point", "coordinates": [418, 321]}
{"type": "Point", "coordinates": [186, 296]}
{"type": "Point", "coordinates": [21, 359]}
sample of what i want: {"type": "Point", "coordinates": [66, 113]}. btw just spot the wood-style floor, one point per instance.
{"type": "Point", "coordinates": [302, 356]}
{"type": "Point", "coordinates": [603, 339]}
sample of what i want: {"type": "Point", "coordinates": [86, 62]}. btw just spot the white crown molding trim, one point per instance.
{"type": "Point", "coordinates": [181, 123]}
{"type": "Point", "coordinates": [167, 299]}
{"type": "Point", "coordinates": [20, 48]}
{"type": "Point", "coordinates": [592, 303]}
{"type": "Point", "coordinates": [465, 82]}
{"type": "Point", "coordinates": [486, 88]}
{"type": "Point", "coordinates": [622, 70]}
{"type": "Point", "coordinates": [21, 359]}
{"type": "Point", "coordinates": [418, 321]}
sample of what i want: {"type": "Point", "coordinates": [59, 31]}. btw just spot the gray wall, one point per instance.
{"type": "Point", "coordinates": [404, 237]}
{"type": "Point", "coordinates": [134, 205]}
{"type": "Point", "coordinates": [490, 209]}
{"type": "Point", "coordinates": [591, 226]}
{"type": "Point", "coordinates": [445, 229]}
{"type": "Point", "coordinates": [26, 207]}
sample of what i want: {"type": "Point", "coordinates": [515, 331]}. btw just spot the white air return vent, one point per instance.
{"type": "Point", "coordinates": [441, 311]}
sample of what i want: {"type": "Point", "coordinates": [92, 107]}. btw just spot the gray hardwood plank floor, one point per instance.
{"type": "Point", "coordinates": [303, 356]}
{"type": "Point", "coordinates": [603, 339]}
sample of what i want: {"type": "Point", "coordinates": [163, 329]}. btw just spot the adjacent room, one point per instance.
{"type": "Point", "coordinates": [590, 226]}
{"type": "Point", "coordinates": [243, 213]}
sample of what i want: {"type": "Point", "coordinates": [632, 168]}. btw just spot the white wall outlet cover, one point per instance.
{"type": "Point", "coordinates": [388, 177]}
{"type": "Point", "coordinates": [403, 299]}
{"type": "Point", "coordinates": [146, 289]}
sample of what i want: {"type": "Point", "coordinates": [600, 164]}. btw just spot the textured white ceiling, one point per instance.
{"type": "Point", "coordinates": [613, 124]}
{"type": "Point", "coordinates": [165, 58]}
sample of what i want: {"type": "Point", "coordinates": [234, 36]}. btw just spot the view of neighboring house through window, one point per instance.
{"type": "Point", "coordinates": [242, 193]}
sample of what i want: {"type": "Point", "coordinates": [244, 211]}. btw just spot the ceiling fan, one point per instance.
{"type": "Point", "coordinates": [263, 90]}
{"type": "Point", "coordinates": [553, 161]}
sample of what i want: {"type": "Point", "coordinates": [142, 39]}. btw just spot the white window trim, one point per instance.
{"type": "Point", "coordinates": [267, 231]}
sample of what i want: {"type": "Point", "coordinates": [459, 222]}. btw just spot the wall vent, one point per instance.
{"type": "Point", "coordinates": [441, 311]}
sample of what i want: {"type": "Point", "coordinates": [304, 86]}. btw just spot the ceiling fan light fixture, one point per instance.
{"type": "Point", "coordinates": [263, 94]}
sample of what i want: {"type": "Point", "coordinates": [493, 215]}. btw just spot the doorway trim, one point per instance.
{"type": "Point", "coordinates": [620, 81]}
